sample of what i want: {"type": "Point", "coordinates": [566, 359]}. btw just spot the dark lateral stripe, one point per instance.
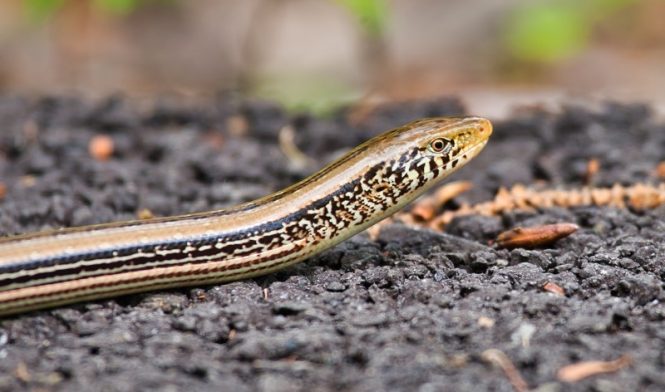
{"type": "Point", "coordinates": [142, 263]}
{"type": "Point", "coordinates": [43, 299]}
{"type": "Point", "coordinates": [271, 230]}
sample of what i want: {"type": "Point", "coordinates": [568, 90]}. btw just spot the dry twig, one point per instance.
{"type": "Point", "coordinates": [581, 370]}
{"type": "Point", "coordinates": [519, 197]}
{"type": "Point", "coordinates": [500, 359]}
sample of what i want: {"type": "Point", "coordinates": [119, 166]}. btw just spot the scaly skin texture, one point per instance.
{"type": "Point", "coordinates": [368, 184]}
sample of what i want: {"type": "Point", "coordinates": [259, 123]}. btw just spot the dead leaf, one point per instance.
{"type": "Point", "coordinates": [537, 236]}
{"type": "Point", "coordinates": [500, 359]}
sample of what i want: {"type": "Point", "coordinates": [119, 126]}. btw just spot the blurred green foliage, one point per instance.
{"type": "Point", "coordinates": [117, 6]}
{"type": "Point", "coordinates": [371, 14]}
{"type": "Point", "coordinates": [552, 30]}
{"type": "Point", "coordinates": [318, 94]}
{"type": "Point", "coordinates": [40, 9]}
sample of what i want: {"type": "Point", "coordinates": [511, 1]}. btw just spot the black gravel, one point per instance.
{"type": "Point", "coordinates": [410, 310]}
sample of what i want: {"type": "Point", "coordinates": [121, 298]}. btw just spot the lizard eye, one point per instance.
{"type": "Point", "coordinates": [440, 145]}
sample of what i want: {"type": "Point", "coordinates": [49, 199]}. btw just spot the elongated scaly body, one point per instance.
{"type": "Point", "coordinates": [371, 182]}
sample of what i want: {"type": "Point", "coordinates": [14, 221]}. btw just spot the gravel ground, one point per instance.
{"type": "Point", "coordinates": [409, 310]}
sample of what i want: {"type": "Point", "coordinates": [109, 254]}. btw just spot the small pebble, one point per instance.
{"type": "Point", "coordinates": [101, 147]}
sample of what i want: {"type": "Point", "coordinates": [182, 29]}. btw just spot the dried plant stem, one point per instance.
{"type": "Point", "coordinates": [519, 197]}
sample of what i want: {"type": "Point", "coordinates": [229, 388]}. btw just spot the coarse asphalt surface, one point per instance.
{"type": "Point", "coordinates": [410, 310]}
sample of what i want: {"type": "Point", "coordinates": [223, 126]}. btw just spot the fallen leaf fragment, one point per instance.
{"type": "Point", "coordinates": [581, 370]}
{"type": "Point", "coordinates": [500, 359]}
{"type": "Point", "coordinates": [3, 190]}
{"type": "Point", "coordinates": [554, 289]}
{"type": "Point", "coordinates": [533, 237]}
{"type": "Point", "coordinates": [101, 147]}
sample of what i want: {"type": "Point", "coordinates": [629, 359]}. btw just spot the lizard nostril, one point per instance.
{"type": "Point", "coordinates": [485, 127]}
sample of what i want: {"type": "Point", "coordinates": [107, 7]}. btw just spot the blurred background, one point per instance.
{"type": "Point", "coordinates": [318, 54]}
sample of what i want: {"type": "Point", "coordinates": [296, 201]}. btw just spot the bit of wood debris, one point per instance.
{"type": "Point", "coordinates": [232, 334]}
{"type": "Point", "coordinates": [101, 147]}
{"type": "Point", "coordinates": [533, 237]}
{"type": "Point", "coordinates": [3, 190]}
{"type": "Point", "coordinates": [201, 295]}
{"type": "Point", "coordinates": [485, 322]}
{"type": "Point", "coordinates": [592, 168]}
{"type": "Point", "coordinates": [554, 289]}
{"type": "Point", "coordinates": [266, 294]}
{"type": "Point", "coordinates": [144, 214]}
{"type": "Point", "coordinates": [581, 370]}
{"type": "Point", "coordinates": [500, 359]}
{"type": "Point", "coordinates": [519, 197]}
